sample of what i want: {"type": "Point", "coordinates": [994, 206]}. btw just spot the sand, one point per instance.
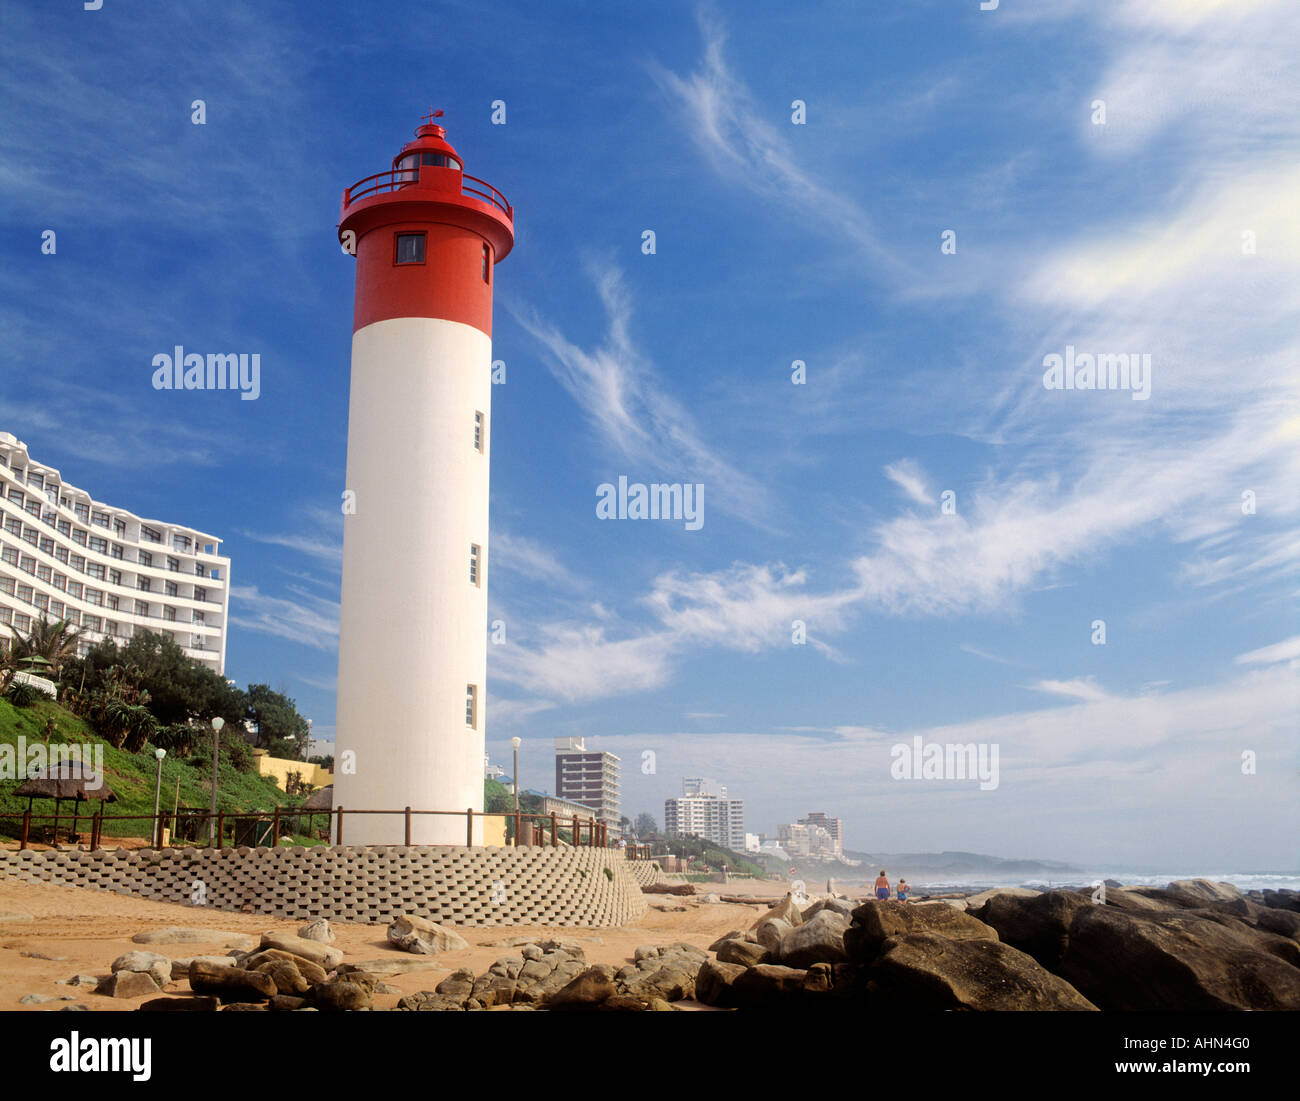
{"type": "Point", "coordinates": [86, 930]}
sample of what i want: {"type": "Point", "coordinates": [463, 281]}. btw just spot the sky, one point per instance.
{"type": "Point", "coordinates": [920, 203]}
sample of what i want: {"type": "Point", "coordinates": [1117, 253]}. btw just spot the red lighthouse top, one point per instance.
{"type": "Point", "coordinates": [426, 235]}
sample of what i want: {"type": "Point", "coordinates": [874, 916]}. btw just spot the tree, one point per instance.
{"type": "Point", "coordinates": [280, 728]}
{"type": "Point", "coordinates": [646, 827]}
{"type": "Point", "coordinates": [49, 641]}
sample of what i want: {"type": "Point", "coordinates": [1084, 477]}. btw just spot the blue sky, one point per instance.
{"type": "Point", "coordinates": [775, 242]}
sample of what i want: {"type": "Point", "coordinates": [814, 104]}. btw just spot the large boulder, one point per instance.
{"type": "Point", "coordinates": [127, 984]}
{"type": "Point", "coordinates": [312, 972]}
{"type": "Point", "coordinates": [420, 935]}
{"type": "Point", "coordinates": [157, 967]}
{"type": "Point", "coordinates": [874, 922]}
{"type": "Point", "coordinates": [1284, 899]}
{"type": "Point", "coordinates": [1205, 890]}
{"type": "Point", "coordinates": [786, 910]}
{"type": "Point", "coordinates": [321, 954]}
{"type": "Point", "coordinates": [744, 953]}
{"type": "Point", "coordinates": [714, 981]}
{"type": "Point", "coordinates": [318, 930]}
{"type": "Point", "coordinates": [927, 972]}
{"type": "Point", "coordinates": [593, 986]}
{"type": "Point", "coordinates": [769, 933]}
{"type": "Point", "coordinates": [818, 940]}
{"type": "Point", "coordinates": [769, 986]}
{"type": "Point", "coordinates": [1173, 960]}
{"type": "Point", "coordinates": [231, 984]}
{"type": "Point", "coordinates": [286, 976]}
{"type": "Point", "coordinates": [338, 997]}
{"type": "Point", "coordinates": [838, 905]}
{"type": "Point", "coordinates": [974, 902]}
{"type": "Point", "coordinates": [1036, 924]}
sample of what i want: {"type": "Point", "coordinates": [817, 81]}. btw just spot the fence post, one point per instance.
{"type": "Point", "coordinates": [555, 837]}
{"type": "Point", "coordinates": [517, 824]}
{"type": "Point", "coordinates": [339, 841]}
{"type": "Point", "coordinates": [408, 826]}
{"type": "Point", "coordinates": [94, 829]}
{"type": "Point", "coordinates": [221, 826]}
{"type": "Point", "coordinates": [27, 828]}
{"type": "Point", "coordinates": [469, 827]}
{"type": "Point", "coordinates": [275, 829]}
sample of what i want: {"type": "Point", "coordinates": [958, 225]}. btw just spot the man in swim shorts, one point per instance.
{"type": "Point", "coordinates": [882, 886]}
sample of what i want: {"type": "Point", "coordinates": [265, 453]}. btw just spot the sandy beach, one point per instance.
{"type": "Point", "coordinates": [84, 931]}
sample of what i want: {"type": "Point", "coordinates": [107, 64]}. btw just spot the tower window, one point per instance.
{"type": "Point", "coordinates": [475, 561]}
{"type": "Point", "coordinates": [471, 706]}
{"type": "Point", "coordinates": [487, 264]}
{"type": "Point", "coordinates": [410, 248]}
{"type": "Point", "coordinates": [478, 431]}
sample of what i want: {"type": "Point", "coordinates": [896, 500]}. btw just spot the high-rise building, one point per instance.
{"type": "Point", "coordinates": [834, 827]}
{"type": "Point", "coordinates": [703, 810]}
{"type": "Point", "coordinates": [413, 622]}
{"type": "Point", "coordinates": [588, 777]}
{"type": "Point", "coordinates": [68, 556]}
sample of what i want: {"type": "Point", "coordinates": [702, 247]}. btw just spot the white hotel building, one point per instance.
{"type": "Point", "coordinates": [113, 574]}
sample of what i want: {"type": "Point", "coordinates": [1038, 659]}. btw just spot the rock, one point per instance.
{"type": "Point", "coordinates": [669, 889]}
{"type": "Point", "coordinates": [80, 980]}
{"type": "Point", "coordinates": [925, 971]}
{"type": "Point", "coordinates": [243, 1007]}
{"type": "Point", "coordinates": [770, 931]}
{"type": "Point", "coordinates": [427, 1002]}
{"type": "Point", "coordinates": [320, 954]}
{"type": "Point", "coordinates": [1173, 960]}
{"type": "Point", "coordinates": [128, 984]}
{"type": "Point", "coordinates": [312, 972]}
{"type": "Point", "coordinates": [1285, 923]}
{"type": "Point", "coordinates": [786, 910]}
{"type": "Point", "coordinates": [231, 984]}
{"type": "Point", "coordinates": [743, 953]}
{"type": "Point", "coordinates": [768, 986]}
{"type": "Point", "coordinates": [318, 930]}
{"type": "Point", "coordinates": [974, 902]}
{"type": "Point", "coordinates": [835, 905]}
{"type": "Point", "coordinates": [77, 1008]}
{"type": "Point", "coordinates": [625, 1002]}
{"type": "Point", "coordinates": [422, 936]}
{"type": "Point", "coordinates": [286, 976]}
{"type": "Point", "coordinates": [1123, 898]}
{"type": "Point", "coordinates": [531, 952]}
{"type": "Point", "coordinates": [507, 967]}
{"type": "Point", "coordinates": [159, 968]}
{"type": "Point", "coordinates": [658, 1005]}
{"type": "Point", "coordinates": [819, 978]}
{"type": "Point", "coordinates": [198, 1004]}
{"type": "Point", "coordinates": [457, 984]}
{"type": "Point", "coordinates": [735, 934]}
{"type": "Point", "coordinates": [181, 967]}
{"type": "Point", "coordinates": [340, 996]}
{"type": "Point", "coordinates": [1205, 890]}
{"type": "Point", "coordinates": [1036, 924]}
{"type": "Point", "coordinates": [876, 921]}
{"type": "Point", "coordinates": [711, 899]}
{"type": "Point", "coordinates": [1112, 883]}
{"type": "Point", "coordinates": [387, 966]}
{"type": "Point", "coordinates": [1282, 900]}
{"type": "Point", "coordinates": [286, 1003]}
{"type": "Point", "coordinates": [714, 981]}
{"type": "Point", "coordinates": [37, 999]}
{"type": "Point", "coordinates": [671, 983]}
{"type": "Point", "coordinates": [490, 990]}
{"type": "Point", "coordinates": [818, 940]}
{"type": "Point", "coordinates": [42, 956]}
{"type": "Point", "coordinates": [592, 987]}
{"type": "Point", "coordinates": [185, 934]}
{"type": "Point", "coordinates": [386, 988]}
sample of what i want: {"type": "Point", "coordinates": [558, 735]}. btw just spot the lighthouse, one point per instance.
{"type": "Point", "coordinates": [413, 624]}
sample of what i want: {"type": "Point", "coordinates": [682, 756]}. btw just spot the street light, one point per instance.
{"type": "Point", "coordinates": [217, 724]}
{"type": "Point", "coordinates": [157, 797]}
{"type": "Point", "coordinates": [307, 754]}
{"type": "Point", "coordinates": [515, 744]}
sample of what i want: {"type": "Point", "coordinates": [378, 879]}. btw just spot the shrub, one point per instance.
{"type": "Point", "coordinates": [22, 695]}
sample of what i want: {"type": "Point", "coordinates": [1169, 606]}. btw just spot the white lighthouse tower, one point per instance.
{"type": "Point", "coordinates": [413, 631]}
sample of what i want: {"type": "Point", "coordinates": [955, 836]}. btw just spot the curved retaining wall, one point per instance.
{"type": "Point", "coordinates": [360, 883]}
{"type": "Point", "coordinates": [644, 872]}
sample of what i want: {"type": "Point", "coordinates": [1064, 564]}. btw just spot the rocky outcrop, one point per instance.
{"type": "Point", "coordinates": [928, 971]}
{"type": "Point", "coordinates": [875, 922]}
{"type": "Point", "coordinates": [412, 933]}
{"type": "Point", "coordinates": [820, 939]}
{"type": "Point", "coordinates": [1037, 924]}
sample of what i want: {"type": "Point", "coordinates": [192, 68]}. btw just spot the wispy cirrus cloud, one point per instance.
{"type": "Point", "coordinates": [303, 617]}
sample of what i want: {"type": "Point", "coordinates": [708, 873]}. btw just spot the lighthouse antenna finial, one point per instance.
{"type": "Point", "coordinates": [428, 119]}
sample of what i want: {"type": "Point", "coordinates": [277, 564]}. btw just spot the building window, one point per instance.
{"type": "Point", "coordinates": [151, 534]}
{"type": "Point", "coordinates": [61, 553]}
{"type": "Point", "coordinates": [82, 512]}
{"type": "Point", "coordinates": [174, 565]}
{"type": "Point", "coordinates": [143, 584]}
{"type": "Point", "coordinates": [65, 528]}
{"type": "Point", "coordinates": [141, 607]}
{"type": "Point", "coordinates": [95, 570]}
{"type": "Point", "coordinates": [44, 573]}
{"type": "Point", "coordinates": [487, 264]}
{"type": "Point", "coordinates": [119, 528]}
{"type": "Point", "coordinates": [409, 248]}
{"type": "Point", "coordinates": [471, 706]}
{"type": "Point", "coordinates": [170, 588]}
{"type": "Point", "coordinates": [478, 431]}
{"type": "Point", "coordinates": [112, 601]}
{"type": "Point", "coordinates": [47, 545]}
{"type": "Point", "coordinates": [115, 576]}
{"type": "Point", "coordinates": [94, 596]}
{"type": "Point", "coordinates": [116, 552]}
{"type": "Point", "coordinates": [74, 590]}
{"type": "Point", "coordinates": [475, 563]}
{"type": "Point", "coordinates": [100, 518]}
{"type": "Point", "coordinates": [169, 613]}
{"type": "Point", "coordinates": [200, 594]}
{"type": "Point", "coordinates": [200, 570]}
{"type": "Point", "coordinates": [98, 544]}
{"type": "Point", "coordinates": [146, 559]}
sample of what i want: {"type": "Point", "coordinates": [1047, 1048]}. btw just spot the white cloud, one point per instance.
{"type": "Point", "coordinates": [1287, 650]}
{"type": "Point", "coordinates": [910, 478]}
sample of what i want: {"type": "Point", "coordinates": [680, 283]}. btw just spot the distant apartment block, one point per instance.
{"type": "Point", "coordinates": [703, 810]}
{"type": "Point", "coordinates": [65, 555]}
{"type": "Point", "coordinates": [588, 778]}
{"type": "Point", "coordinates": [816, 836]}
{"type": "Point", "coordinates": [834, 827]}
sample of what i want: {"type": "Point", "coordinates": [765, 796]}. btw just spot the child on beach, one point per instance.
{"type": "Point", "coordinates": [882, 886]}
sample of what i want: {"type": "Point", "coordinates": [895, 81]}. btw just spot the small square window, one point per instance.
{"type": "Point", "coordinates": [471, 706]}
{"type": "Point", "coordinates": [410, 248]}
{"type": "Point", "coordinates": [487, 264]}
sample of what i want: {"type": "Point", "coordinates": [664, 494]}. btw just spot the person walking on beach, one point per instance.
{"type": "Point", "coordinates": [902, 890]}
{"type": "Point", "coordinates": [882, 886]}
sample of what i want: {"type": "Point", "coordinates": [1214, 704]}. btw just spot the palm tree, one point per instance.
{"type": "Point", "coordinates": [48, 643]}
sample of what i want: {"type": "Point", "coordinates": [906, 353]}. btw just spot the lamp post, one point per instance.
{"type": "Point", "coordinates": [217, 724]}
{"type": "Point", "coordinates": [307, 750]}
{"type": "Point", "coordinates": [157, 798]}
{"type": "Point", "coordinates": [515, 743]}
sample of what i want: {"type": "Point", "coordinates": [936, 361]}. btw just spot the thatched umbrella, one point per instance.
{"type": "Point", "coordinates": [318, 800]}
{"type": "Point", "coordinates": [65, 780]}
